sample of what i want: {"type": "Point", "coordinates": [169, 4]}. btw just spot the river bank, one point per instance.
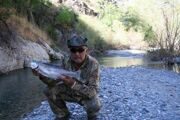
{"type": "Point", "coordinates": [129, 93]}
{"type": "Point", "coordinates": [18, 88]}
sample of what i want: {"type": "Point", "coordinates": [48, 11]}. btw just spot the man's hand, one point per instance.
{"type": "Point", "coordinates": [67, 80]}
{"type": "Point", "coordinates": [35, 72]}
{"type": "Point", "coordinates": [41, 77]}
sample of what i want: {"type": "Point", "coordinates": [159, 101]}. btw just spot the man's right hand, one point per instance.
{"type": "Point", "coordinates": [44, 78]}
{"type": "Point", "coordinates": [41, 77]}
{"type": "Point", "coordinates": [35, 72]}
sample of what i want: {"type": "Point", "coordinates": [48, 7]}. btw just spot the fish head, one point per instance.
{"type": "Point", "coordinates": [34, 65]}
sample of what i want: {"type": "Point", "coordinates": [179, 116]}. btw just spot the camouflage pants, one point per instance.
{"type": "Point", "coordinates": [57, 96]}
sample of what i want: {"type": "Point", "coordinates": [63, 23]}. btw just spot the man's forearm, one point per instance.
{"type": "Point", "coordinates": [85, 90]}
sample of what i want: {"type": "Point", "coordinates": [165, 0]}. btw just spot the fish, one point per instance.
{"type": "Point", "coordinates": [53, 71]}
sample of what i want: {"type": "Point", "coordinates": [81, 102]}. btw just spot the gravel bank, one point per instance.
{"type": "Point", "coordinates": [131, 93]}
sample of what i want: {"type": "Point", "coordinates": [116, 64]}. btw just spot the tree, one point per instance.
{"type": "Point", "coordinates": [168, 34]}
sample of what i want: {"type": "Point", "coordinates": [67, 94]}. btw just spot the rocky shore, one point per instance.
{"type": "Point", "coordinates": [131, 93]}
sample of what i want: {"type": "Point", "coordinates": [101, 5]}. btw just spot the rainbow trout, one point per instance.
{"type": "Point", "coordinates": [52, 71]}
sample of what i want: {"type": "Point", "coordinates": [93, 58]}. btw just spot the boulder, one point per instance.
{"type": "Point", "coordinates": [20, 53]}
{"type": "Point", "coordinates": [8, 61]}
{"type": "Point", "coordinates": [80, 6]}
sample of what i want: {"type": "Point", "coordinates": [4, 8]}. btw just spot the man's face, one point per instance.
{"type": "Point", "coordinates": [78, 54]}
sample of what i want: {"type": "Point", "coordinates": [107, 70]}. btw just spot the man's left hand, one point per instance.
{"type": "Point", "coordinates": [69, 81]}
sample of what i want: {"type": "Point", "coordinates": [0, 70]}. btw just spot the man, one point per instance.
{"type": "Point", "coordinates": [83, 91]}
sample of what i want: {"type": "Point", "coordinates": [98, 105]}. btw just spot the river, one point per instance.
{"type": "Point", "coordinates": [20, 91]}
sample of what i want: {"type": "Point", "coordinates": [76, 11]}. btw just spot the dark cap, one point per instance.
{"type": "Point", "coordinates": [77, 41]}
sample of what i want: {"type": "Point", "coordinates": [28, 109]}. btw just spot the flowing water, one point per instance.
{"type": "Point", "coordinates": [117, 61]}
{"type": "Point", "coordinates": [20, 91]}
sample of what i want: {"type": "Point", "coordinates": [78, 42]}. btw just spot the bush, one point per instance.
{"type": "Point", "coordinates": [132, 20]}
{"type": "Point", "coordinates": [158, 55]}
{"type": "Point", "coordinates": [111, 15]}
{"type": "Point", "coordinates": [149, 36]}
{"type": "Point", "coordinates": [65, 17]}
{"type": "Point", "coordinates": [24, 7]}
{"type": "Point", "coordinates": [51, 32]}
{"type": "Point", "coordinates": [109, 12]}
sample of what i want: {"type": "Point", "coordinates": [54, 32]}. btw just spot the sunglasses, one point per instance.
{"type": "Point", "coordinates": [79, 50]}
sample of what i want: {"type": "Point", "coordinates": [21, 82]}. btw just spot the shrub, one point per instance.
{"type": "Point", "coordinates": [132, 20]}
{"type": "Point", "coordinates": [51, 32]}
{"type": "Point", "coordinates": [109, 12]}
{"type": "Point", "coordinates": [65, 17]}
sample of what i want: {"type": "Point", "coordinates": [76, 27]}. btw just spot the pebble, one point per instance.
{"type": "Point", "coordinates": [131, 93]}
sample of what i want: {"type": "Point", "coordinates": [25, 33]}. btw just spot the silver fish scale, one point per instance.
{"type": "Point", "coordinates": [53, 71]}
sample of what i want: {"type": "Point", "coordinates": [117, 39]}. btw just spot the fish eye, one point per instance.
{"type": "Point", "coordinates": [34, 65]}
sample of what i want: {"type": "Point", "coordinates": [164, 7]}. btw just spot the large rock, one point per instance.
{"type": "Point", "coordinates": [17, 51]}
{"type": "Point", "coordinates": [20, 52]}
{"type": "Point", "coordinates": [52, 53]}
{"type": "Point", "coordinates": [78, 6]}
{"type": "Point", "coordinates": [8, 62]}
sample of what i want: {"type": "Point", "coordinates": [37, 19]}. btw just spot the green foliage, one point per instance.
{"type": "Point", "coordinates": [109, 12]}
{"type": "Point", "coordinates": [24, 7]}
{"type": "Point", "coordinates": [6, 3]}
{"type": "Point", "coordinates": [36, 11]}
{"type": "Point", "coordinates": [51, 32]}
{"type": "Point", "coordinates": [5, 10]}
{"type": "Point", "coordinates": [65, 17]}
{"type": "Point", "coordinates": [131, 19]}
{"type": "Point", "coordinates": [95, 41]}
{"type": "Point", "coordinates": [149, 36]}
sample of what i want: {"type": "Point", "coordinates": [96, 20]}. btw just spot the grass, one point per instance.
{"type": "Point", "coordinates": [27, 30]}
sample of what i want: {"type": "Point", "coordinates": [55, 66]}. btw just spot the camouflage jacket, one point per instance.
{"type": "Point", "coordinates": [88, 84]}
